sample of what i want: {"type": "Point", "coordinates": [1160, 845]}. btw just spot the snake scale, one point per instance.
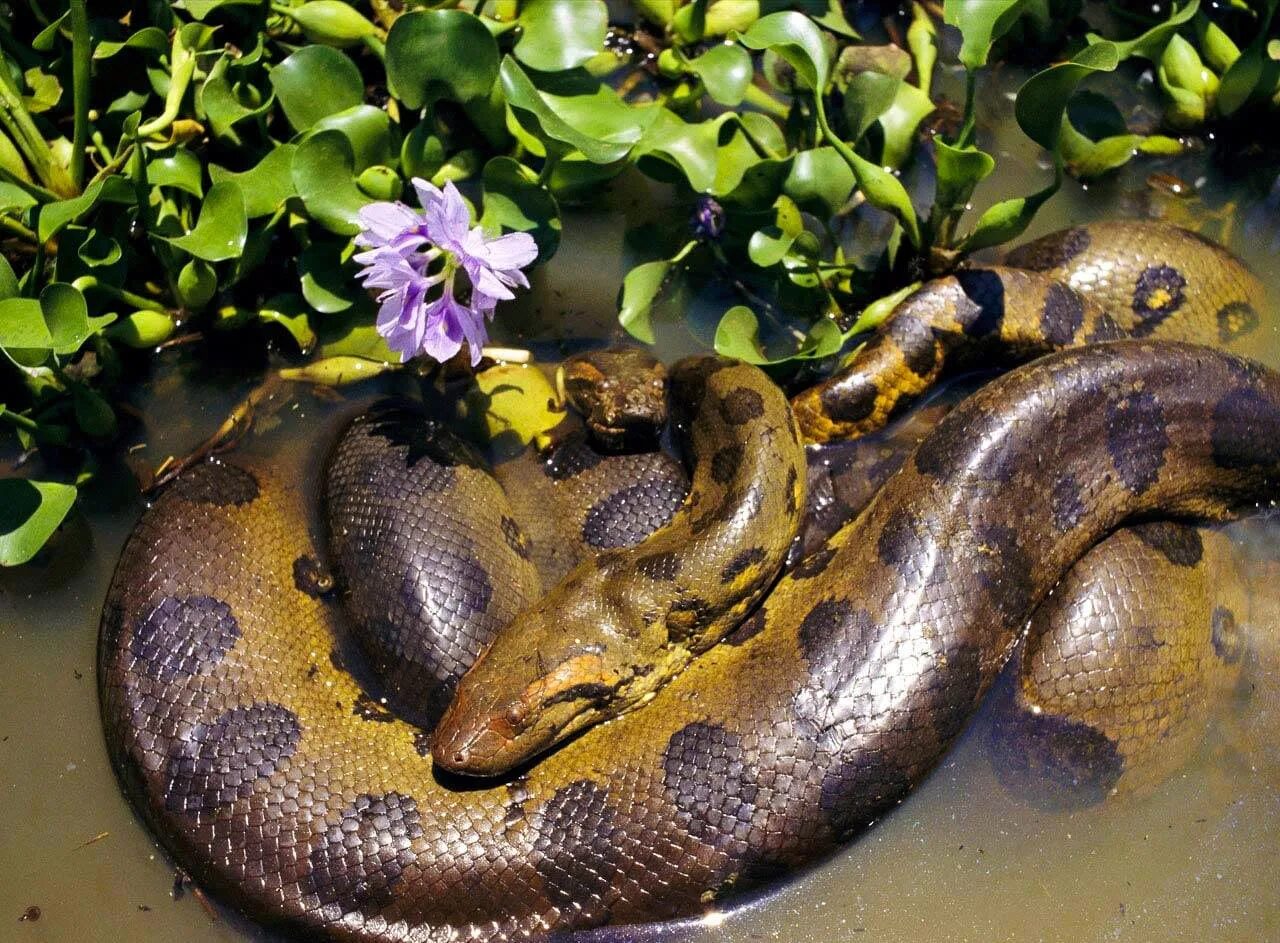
{"type": "Point", "coordinates": [278, 782]}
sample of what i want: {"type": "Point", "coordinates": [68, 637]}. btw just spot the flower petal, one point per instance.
{"type": "Point", "coordinates": [383, 223]}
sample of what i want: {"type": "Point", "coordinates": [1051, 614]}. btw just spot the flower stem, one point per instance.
{"type": "Point", "coordinates": [755, 95]}
{"type": "Point", "coordinates": [182, 64]}
{"type": "Point", "coordinates": [80, 63]}
{"type": "Point", "coordinates": [85, 282]}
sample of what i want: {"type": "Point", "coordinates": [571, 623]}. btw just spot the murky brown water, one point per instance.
{"type": "Point", "coordinates": [960, 860]}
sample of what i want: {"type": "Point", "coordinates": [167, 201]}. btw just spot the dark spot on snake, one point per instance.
{"type": "Point", "coordinates": [627, 516]}
{"type": "Point", "coordinates": [218, 483]}
{"type": "Point", "coordinates": [824, 625]}
{"type": "Point", "coordinates": [454, 585]}
{"type": "Point", "coordinates": [1235, 320]}
{"type": "Point", "coordinates": [1179, 544]}
{"type": "Point", "coordinates": [577, 851]}
{"type": "Point", "coordinates": [849, 399]}
{"type": "Point", "coordinates": [1049, 252]}
{"type": "Point", "coordinates": [405, 424]}
{"type": "Point", "coordinates": [311, 577]}
{"type": "Point", "coordinates": [1137, 439]}
{"type": "Point", "coordinates": [181, 635]}
{"type": "Point", "coordinates": [748, 629]}
{"type": "Point", "coordinates": [706, 775]}
{"type": "Point", "coordinates": [983, 313]}
{"type": "Point", "coordinates": [940, 452]}
{"type": "Point", "coordinates": [662, 567]}
{"type": "Point", "coordinates": [741, 405]}
{"type": "Point", "coordinates": [569, 459]}
{"type": "Point", "coordinates": [515, 537]}
{"type": "Point", "coordinates": [739, 564]}
{"type": "Point", "coordinates": [1062, 316]}
{"type": "Point", "coordinates": [1053, 762]}
{"type": "Point", "coordinates": [1243, 436]}
{"type": "Point", "coordinates": [900, 538]}
{"type": "Point", "coordinates": [915, 340]}
{"type": "Point", "coordinates": [1005, 571]}
{"type": "Point", "coordinates": [1066, 502]}
{"type": "Point", "coordinates": [725, 463]}
{"type": "Point", "coordinates": [954, 696]}
{"type": "Point", "coordinates": [793, 478]}
{"type": "Point", "coordinates": [856, 790]}
{"type": "Point", "coordinates": [1106, 329]}
{"type": "Point", "coordinates": [422, 743]}
{"type": "Point", "coordinates": [211, 765]}
{"type": "Point", "coordinates": [1225, 635]}
{"type": "Point", "coordinates": [363, 855]}
{"type": "Point", "coordinates": [814, 564]}
{"type": "Point", "coordinates": [366, 708]}
{"type": "Point", "coordinates": [1157, 295]}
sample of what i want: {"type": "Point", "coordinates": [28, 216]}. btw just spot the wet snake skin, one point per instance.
{"type": "Point", "coordinates": [238, 726]}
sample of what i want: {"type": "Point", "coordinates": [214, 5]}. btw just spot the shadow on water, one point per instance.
{"type": "Point", "coordinates": [962, 859]}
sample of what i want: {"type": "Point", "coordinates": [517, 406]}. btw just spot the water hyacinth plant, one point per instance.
{"type": "Point", "coordinates": [174, 175]}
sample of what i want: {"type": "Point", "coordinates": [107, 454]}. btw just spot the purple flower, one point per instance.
{"type": "Point", "coordinates": [408, 254]}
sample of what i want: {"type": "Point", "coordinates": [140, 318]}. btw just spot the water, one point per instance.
{"type": "Point", "coordinates": [960, 860]}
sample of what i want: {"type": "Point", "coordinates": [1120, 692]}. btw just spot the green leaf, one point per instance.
{"type": "Point", "coordinates": [1008, 219]}
{"type": "Point", "coordinates": [901, 121]}
{"type": "Point", "coordinates": [820, 180]}
{"type": "Point", "coordinates": [795, 38]}
{"type": "Point", "coordinates": [197, 283]}
{"type": "Point", "coordinates": [94, 414]}
{"type": "Point", "coordinates": [67, 316]}
{"type": "Point", "coordinates": [440, 49]}
{"type": "Point", "coordinates": [14, 199]}
{"type": "Point", "coordinates": [54, 216]}
{"type": "Point", "coordinates": [561, 34]}
{"type": "Point", "coordinates": [265, 186]}
{"type": "Point", "coordinates": [835, 20]}
{"type": "Point", "coordinates": [323, 174]}
{"type": "Point", "coordinates": [222, 228]}
{"type": "Point", "coordinates": [30, 511]}
{"type": "Point", "coordinates": [1151, 43]}
{"type": "Point", "coordinates": [726, 70]}
{"type": "Point", "coordinates": [45, 91]}
{"type": "Point", "coordinates": [1043, 99]}
{"type": "Point", "coordinates": [640, 289]}
{"type": "Point", "coordinates": [960, 169]}
{"type": "Point", "coordinates": [981, 23]}
{"type": "Point", "coordinates": [227, 102]}
{"type": "Point", "coordinates": [328, 285]}
{"type": "Point", "coordinates": [315, 82]}
{"type": "Point", "coordinates": [332, 22]}
{"type": "Point", "coordinates": [150, 39]}
{"type": "Point", "coordinates": [289, 312]}
{"type": "Point", "coordinates": [23, 327]}
{"type": "Point", "coordinates": [367, 128]}
{"type": "Point", "coordinates": [180, 169]}
{"type": "Point", "coordinates": [422, 153]}
{"type": "Point", "coordinates": [8, 281]}
{"type": "Point", "coordinates": [514, 200]}
{"type": "Point", "coordinates": [590, 118]}
{"type": "Point", "coordinates": [202, 8]}
{"type": "Point", "coordinates": [738, 335]}
{"type": "Point", "coordinates": [868, 96]}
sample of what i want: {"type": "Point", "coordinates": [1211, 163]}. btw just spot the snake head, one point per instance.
{"type": "Point", "coordinates": [504, 714]}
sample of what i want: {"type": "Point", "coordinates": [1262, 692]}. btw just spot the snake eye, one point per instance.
{"type": "Point", "coordinates": [517, 715]}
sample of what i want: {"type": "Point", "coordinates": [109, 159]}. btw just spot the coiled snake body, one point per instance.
{"type": "Point", "coordinates": [278, 782]}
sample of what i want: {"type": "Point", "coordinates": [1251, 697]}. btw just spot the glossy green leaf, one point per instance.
{"type": "Point", "coordinates": [1151, 43]}
{"type": "Point", "coordinates": [560, 34]}
{"type": "Point", "coordinates": [94, 415]}
{"type": "Point", "coordinates": [820, 180]}
{"type": "Point", "coordinates": [45, 90]}
{"type": "Point", "coordinates": [289, 312]}
{"type": "Point", "coordinates": [222, 227]}
{"type": "Point", "coordinates": [22, 327]}
{"type": "Point", "coordinates": [981, 23]}
{"type": "Point", "coordinates": [14, 199]}
{"type": "Point", "coordinates": [8, 281]}
{"type": "Point", "coordinates": [202, 8]}
{"type": "Point", "coordinates": [54, 216]}
{"type": "Point", "coordinates": [367, 128]}
{"type": "Point", "coordinates": [1042, 100]}
{"type": "Point", "coordinates": [868, 96]}
{"type": "Point", "coordinates": [959, 170]}
{"type": "Point", "coordinates": [726, 70]}
{"type": "Point", "coordinates": [590, 117]}
{"type": "Point", "coordinates": [180, 169]}
{"type": "Point", "coordinates": [835, 20]}
{"type": "Point", "coordinates": [323, 174]}
{"type": "Point", "coordinates": [795, 38]}
{"type": "Point", "coordinates": [67, 317]}
{"type": "Point", "coordinates": [197, 283]}
{"type": "Point", "coordinates": [422, 152]}
{"type": "Point", "coordinates": [328, 285]}
{"type": "Point", "coordinates": [30, 511]}
{"type": "Point", "coordinates": [640, 290]}
{"type": "Point", "coordinates": [148, 39]}
{"type": "Point", "coordinates": [228, 100]}
{"type": "Point", "coordinates": [738, 335]}
{"type": "Point", "coordinates": [315, 82]}
{"type": "Point", "coordinates": [515, 201]}
{"type": "Point", "coordinates": [1008, 219]}
{"type": "Point", "coordinates": [332, 22]}
{"type": "Point", "coordinates": [265, 186]}
{"type": "Point", "coordinates": [435, 50]}
{"type": "Point", "coordinates": [901, 124]}
{"type": "Point", "coordinates": [142, 329]}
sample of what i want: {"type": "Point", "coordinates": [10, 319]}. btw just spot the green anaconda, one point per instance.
{"type": "Point", "coordinates": [232, 723]}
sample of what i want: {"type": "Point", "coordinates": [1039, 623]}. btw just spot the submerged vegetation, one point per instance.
{"type": "Point", "coordinates": [180, 173]}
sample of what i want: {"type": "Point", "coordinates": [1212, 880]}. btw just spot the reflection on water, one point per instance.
{"type": "Point", "coordinates": [960, 860]}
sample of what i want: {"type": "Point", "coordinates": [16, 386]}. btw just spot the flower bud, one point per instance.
{"type": "Point", "coordinates": [1191, 86]}
{"type": "Point", "coordinates": [331, 22]}
{"type": "Point", "coordinates": [1219, 49]}
{"type": "Point", "coordinates": [380, 183]}
{"type": "Point", "coordinates": [196, 284]}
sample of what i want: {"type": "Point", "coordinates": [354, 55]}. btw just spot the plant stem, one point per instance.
{"type": "Point", "coordinates": [85, 282]}
{"type": "Point", "coordinates": [965, 137]}
{"type": "Point", "coordinates": [12, 226]}
{"type": "Point", "coordinates": [757, 96]}
{"type": "Point", "coordinates": [80, 63]}
{"type": "Point", "coordinates": [25, 134]}
{"type": "Point", "coordinates": [22, 422]}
